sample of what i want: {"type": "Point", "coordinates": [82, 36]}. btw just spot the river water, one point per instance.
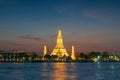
{"type": "Point", "coordinates": [60, 71]}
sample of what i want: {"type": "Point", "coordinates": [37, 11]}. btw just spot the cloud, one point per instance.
{"type": "Point", "coordinates": [95, 39]}
{"type": "Point", "coordinates": [53, 36]}
{"type": "Point", "coordinates": [28, 37]}
{"type": "Point", "coordinates": [8, 42]}
{"type": "Point", "coordinates": [13, 43]}
{"type": "Point", "coordinates": [104, 15]}
{"type": "Point", "coordinates": [95, 14]}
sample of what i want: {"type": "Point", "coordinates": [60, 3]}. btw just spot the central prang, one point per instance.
{"type": "Point", "coordinates": [59, 49]}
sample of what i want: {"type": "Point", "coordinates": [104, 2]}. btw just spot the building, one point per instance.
{"type": "Point", "coordinates": [17, 56]}
{"type": "Point", "coordinates": [73, 54]}
{"type": "Point", "coordinates": [13, 56]}
{"type": "Point", "coordinates": [59, 49]}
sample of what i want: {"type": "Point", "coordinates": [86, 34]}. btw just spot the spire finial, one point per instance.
{"type": "Point", "coordinates": [59, 33]}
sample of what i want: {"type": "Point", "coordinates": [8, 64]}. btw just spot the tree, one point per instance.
{"type": "Point", "coordinates": [47, 57]}
{"type": "Point", "coordinates": [105, 55]}
{"type": "Point", "coordinates": [93, 55]}
{"type": "Point", "coordinates": [83, 56]}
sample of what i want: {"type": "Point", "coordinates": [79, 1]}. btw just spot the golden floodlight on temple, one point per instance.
{"type": "Point", "coordinates": [73, 53]}
{"type": "Point", "coordinates": [45, 52]}
{"type": "Point", "coordinates": [59, 49]}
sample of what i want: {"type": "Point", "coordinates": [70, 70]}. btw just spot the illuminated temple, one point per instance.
{"type": "Point", "coordinates": [59, 49]}
{"type": "Point", "coordinates": [73, 54]}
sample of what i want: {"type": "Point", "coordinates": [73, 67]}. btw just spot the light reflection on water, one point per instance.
{"type": "Point", "coordinates": [107, 71]}
{"type": "Point", "coordinates": [98, 73]}
{"type": "Point", "coordinates": [60, 71]}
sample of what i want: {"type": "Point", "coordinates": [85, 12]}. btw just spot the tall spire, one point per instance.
{"type": "Point", "coordinates": [44, 52]}
{"type": "Point", "coordinates": [59, 33]}
{"type": "Point", "coordinates": [59, 43]}
{"type": "Point", "coordinates": [59, 49]}
{"type": "Point", "coordinates": [73, 53]}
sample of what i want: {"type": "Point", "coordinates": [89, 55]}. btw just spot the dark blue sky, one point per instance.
{"type": "Point", "coordinates": [91, 25]}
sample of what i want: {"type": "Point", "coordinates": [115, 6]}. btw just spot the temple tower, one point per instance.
{"type": "Point", "coordinates": [44, 52]}
{"type": "Point", "coordinates": [59, 49]}
{"type": "Point", "coordinates": [73, 53]}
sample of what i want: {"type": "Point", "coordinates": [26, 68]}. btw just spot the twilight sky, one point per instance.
{"type": "Point", "coordinates": [91, 25]}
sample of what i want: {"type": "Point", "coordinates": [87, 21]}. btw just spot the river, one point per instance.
{"type": "Point", "coordinates": [60, 71]}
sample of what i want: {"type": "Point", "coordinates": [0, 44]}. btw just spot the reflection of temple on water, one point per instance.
{"type": "Point", "coordinates": [63, 71]}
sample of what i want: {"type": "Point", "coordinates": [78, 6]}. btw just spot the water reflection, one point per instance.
{"type": "Point", "coordinates": [13, 72]}
{"type": "Point", "coordinates": [63, 71]}
{"type": "Point", "coordinates": [106, 71]}
{"type": "Point", "coordinates": [60, 71]}
{"type": "Point", "coordinates": [45, 71]}
{"type": "Point", "coordinates": [112, 71]}
{"type": "Point", "coordinates": [98, 73]}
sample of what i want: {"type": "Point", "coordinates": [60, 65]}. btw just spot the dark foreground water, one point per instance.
{"type": "Point", "coordinates": [60, 71]}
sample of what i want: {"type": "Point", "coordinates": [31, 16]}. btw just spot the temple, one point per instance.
{"type": "Point", "coordinates": [45, 52]}
{"type": "Point", "coordinates": [73, 54]}
{"type": "Point", "coordinates": [59, 49]}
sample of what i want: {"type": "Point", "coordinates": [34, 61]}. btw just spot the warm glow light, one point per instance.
{"type": "Point", "coordinates": [45, 50]}
{"type": "Point", "coordinates": [59, 49]}
{"type": "Point", "coordinates": [60, 72]}
{"type": "Point", "coordinates": [73, 54]}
